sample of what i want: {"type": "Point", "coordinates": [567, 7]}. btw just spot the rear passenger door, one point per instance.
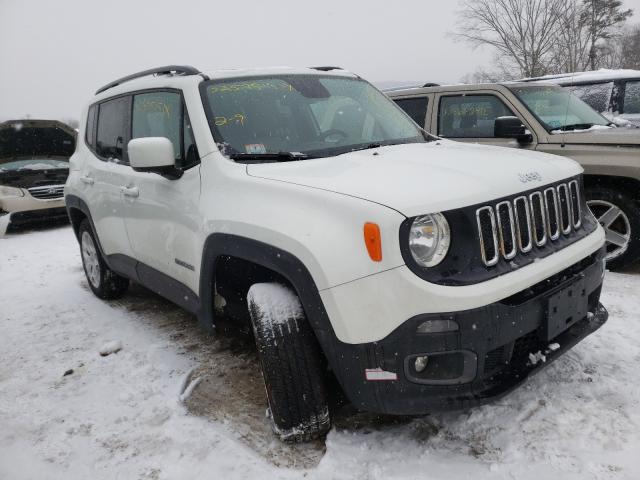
{"type": "Point", "coordinates": [471, 118]}
{"type": "Point", "coordinates": [106, 171]}
{"type": "Point", "coordinates": [162, 214]}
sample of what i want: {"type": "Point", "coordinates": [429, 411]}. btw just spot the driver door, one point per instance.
{"type": "Point", "coordinates": [162, 214]}
{"type": "Point", "coordinates": [471, 118]}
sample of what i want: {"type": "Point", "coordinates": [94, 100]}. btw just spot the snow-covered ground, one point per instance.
{"type": "Point", "coordinates": [67, 412]}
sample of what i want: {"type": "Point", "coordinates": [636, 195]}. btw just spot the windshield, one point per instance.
{"type": "Point", "coordinates": [33, 164]}
{"type": "Point", "coordinates": [558, 109]}
{"type": "Point", "coordinates": [303, 115]}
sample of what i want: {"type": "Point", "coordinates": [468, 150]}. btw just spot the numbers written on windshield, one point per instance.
{"type": "Point", "coordinates": [236, 119]}
{"type": "Point", "coordinates": [256, 86]}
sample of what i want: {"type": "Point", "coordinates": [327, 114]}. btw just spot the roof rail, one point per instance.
{"type": "Point", "coordinates": [430, 84]}
{"type": "Point", "coordinates": [177, 69]}
{"type": "Point", "coordinates": [326, 69]}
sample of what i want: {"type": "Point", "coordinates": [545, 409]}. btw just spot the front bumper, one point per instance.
{"type": "Point", "coordinates": [27, 210]}
{"type": "Point", "coordinates": [43, 215]}
{"type": "Point", "coordinates": [499, 345]}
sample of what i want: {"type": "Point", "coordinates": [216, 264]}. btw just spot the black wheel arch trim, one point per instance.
{"type": "Point", "coordinates": [283, 263]}
{"type": "Point", "coordinates": [273, 258]}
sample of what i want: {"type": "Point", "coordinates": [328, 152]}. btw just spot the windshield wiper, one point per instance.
{"type": "Point", "coordinates": [278, 157]}
{"type": "Point", "coordinates": [367, 147]}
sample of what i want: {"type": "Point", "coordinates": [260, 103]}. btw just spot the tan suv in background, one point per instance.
{"type": "Point", "coordinates": [545, 118]}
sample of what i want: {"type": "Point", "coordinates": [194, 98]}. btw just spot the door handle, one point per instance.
{"type": "Point", "coordinates": [130, 191]}
{"type": "Point", "coordinates": [88, 180]}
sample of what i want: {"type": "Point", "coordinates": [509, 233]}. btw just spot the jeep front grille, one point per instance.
{"type": "Point", "coordinates": [518, 225]}
{"type": "Point", "coordinates": [47, 192]}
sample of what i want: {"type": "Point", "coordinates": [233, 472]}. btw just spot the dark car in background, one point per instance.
{"type": "Point", "coordinates": [34, 165]}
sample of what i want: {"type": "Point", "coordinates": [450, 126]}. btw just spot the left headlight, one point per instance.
{"type": "Point", "coordinates": [10, 192]}
{"type": "Point", "coordinates": [429, 239]}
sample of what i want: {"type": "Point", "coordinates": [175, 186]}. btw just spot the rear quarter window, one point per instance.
{"type": "Point", "coordinates": [90, 130]}
{"type": "Point", "coordinates": [416, 108]}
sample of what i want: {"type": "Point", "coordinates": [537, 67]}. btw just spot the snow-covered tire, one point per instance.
{"type": "Point", "coordinates": [103, 281]}
{"type": "Point", "coordinates": [291, 362]}
{"type": "Point", "coordinates": [619, 215]}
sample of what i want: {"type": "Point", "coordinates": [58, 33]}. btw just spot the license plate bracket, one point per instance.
{"type": "Point", "coordinates": [567, 306]}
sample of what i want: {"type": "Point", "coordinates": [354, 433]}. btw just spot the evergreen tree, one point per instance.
{"type": "Point", "coordinates": [603, 16]}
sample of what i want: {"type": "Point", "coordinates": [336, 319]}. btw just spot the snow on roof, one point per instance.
{"type": "Point", "coordinates": [593, 76]}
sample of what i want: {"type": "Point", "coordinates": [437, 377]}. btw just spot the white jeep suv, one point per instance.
{"type": "Point", "coordinates": [421, 273]}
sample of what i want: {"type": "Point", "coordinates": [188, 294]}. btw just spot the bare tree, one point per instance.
{"type": "Point", "coordinates": [572, 44]}
{"type": "Point", "coordinates": [523, 31]}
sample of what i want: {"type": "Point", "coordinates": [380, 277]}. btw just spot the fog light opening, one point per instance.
{"type": "Point", "coordinates": [421, 363]}
{"type": "Point", "coordinates": [438, 326]}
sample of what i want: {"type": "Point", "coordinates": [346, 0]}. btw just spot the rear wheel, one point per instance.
{"type": "Point", "coordinates": [291, 362]}
{"type": "Point", "coordinates": [619, 215]}
{"type": "Point", "coordinates": [103, 281]}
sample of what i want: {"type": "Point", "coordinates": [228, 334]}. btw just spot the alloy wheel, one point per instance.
{"type": "Point", "coordinates": [90, 260]}
{"type": "Point", "coordinates": [616, 226]}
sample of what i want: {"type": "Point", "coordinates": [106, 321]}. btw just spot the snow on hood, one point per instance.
{"type": "Point", "coordinates": [428, 177]}
{"type": "Point", "coordinates": [583, 130]}
{"type": "Point", "coordinates": [603, 136]}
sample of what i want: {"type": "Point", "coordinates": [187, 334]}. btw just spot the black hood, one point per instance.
{"type": "Point", "coordinates": [24, 139]}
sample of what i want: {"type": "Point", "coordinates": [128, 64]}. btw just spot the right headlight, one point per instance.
{"type": "Point", "coordinates": [10, 192]}
{"type": "Point", "coordinates": [429, 239]}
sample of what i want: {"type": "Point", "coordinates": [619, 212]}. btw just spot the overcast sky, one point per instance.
{"type": "Point", "coordinates": [55, 53]}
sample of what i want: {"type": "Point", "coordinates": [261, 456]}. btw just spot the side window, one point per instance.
{"type": "Point", "coordinates": [470, 116]}
{"type": "Point", "coordinates": [597, 95]}
{"type": "Point", "coordinates": [90, 130]}
{"type": "Point", "coordinates": [632, 97]}
{"type": "Point", "coordinates": [416, 108]}
{"type": "Point", "coordinates": [162, 114]}
{"type": "Point", "coordinates": [113, 125]}
{"type": "Point", "coordinates": [158, 114]}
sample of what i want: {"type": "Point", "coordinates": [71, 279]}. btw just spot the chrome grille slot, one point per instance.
{"type": "Point", "coordinates": [576, 203]}
{"type": "Point", "coordinates": [522, 224]}
{"type": "Point", "coordinates": [564, 206]}
{"type": "Point", "coordinates": [488, 236]}
{"type": "Point", "coordinates": [522, 214]}
{"type": "Point", "coordinates": [506, 230]}
{"type": "Point", "coordinates": [47, 192]}
{"type": "Point", "coordinates": [551, 209]}
{"type": "Point", "coordinates": [539, 219]}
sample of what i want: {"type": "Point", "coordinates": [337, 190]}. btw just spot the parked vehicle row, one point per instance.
{"type": "Point", "coordinates": [304, 206]}
{"type": "Point", "coordinates": [545, 118]}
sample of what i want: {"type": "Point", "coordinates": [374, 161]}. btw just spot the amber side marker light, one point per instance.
{"type": "Point", "coordinates": [373, 241]}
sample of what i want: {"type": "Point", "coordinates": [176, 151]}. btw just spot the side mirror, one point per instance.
{"type": "Point", "coordinates": [153, 154]}
{"type": "Point", "coordinates": [511, 127]}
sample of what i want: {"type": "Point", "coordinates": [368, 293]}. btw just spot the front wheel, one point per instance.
{"type": "Point", "coordinates": [291, 362]}
{"type": "Point", "coordinates": [619, 214]}
{"type": "Point", "coordinates": [103, 281]}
